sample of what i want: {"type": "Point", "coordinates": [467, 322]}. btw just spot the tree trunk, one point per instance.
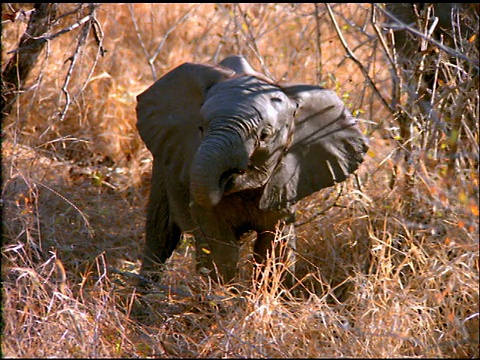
{"type": "Point", "coordinates": [24, 59]}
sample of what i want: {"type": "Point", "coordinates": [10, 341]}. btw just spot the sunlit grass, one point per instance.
{"type": "Point", "coordinates": [387, 269]}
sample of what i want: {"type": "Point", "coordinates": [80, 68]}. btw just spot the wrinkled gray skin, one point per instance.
{"type": "Point", "coordinates": [233, 152]}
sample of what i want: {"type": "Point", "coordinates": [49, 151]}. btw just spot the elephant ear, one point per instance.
{"type": "Point", "coordinates": [169, 109]}
{"type": "Point", "coordinates": [325, 148]}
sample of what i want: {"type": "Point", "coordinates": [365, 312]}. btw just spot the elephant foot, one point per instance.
{"type": "Point", "coordinates": [216, 259]}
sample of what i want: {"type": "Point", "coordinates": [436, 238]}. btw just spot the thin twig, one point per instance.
{"type": "Point", "coordinates": [19, 66]}
{"type": "Point", "coordinates": [37, 84]}
{"type": "Point", "coordinates": [352, 56]}
{"type": "Point", "coordinates": [169, 289]}
{"type": "Point", "coordinates": [90, 230]}
{"type": "Point", "coordinates": [399, 25]}
{"type": "Point", "coordinates": [319, 46]}
{"type": "Point", "coordinates": [151, 59]}
{"type": "Point", "coordinates": [71, 12]}
{"type": "Point", "coordinates": [321, 212]}
{"type": "Point", "coordinates": [44, 38]}
{"type": "Point", "coordinates": [98, 34]}
{"type": "Point", "coordinates": [252, 42]}
{"type": "Point", "coordinates": [169, 31]}
{"type": "Point", "coordinates": [140, 40]}
{"type": "Point", "coordinates": [73, 61]}
{"type": "Point", "coordinates": [391, 59]}
{"type": "Point", "coordinates": [223, 40]}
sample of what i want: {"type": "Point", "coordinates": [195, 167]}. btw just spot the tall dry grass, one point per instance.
{"type": "Point", "coordinates": [388, 261]}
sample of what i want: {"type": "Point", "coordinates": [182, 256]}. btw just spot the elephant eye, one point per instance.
{"type": "Point", "coordinates": [265, 134]}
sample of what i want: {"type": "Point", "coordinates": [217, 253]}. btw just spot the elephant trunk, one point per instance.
{"type": "Point", "coordinates": [218, 158]}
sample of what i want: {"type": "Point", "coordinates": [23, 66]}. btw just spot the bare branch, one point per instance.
{"type": "Point", "coordinates": [319, 42]}
{"type": "Point", "coordinates": [22, 62]}
{"type": "Point", "coordinates": [399, 25]}
{"type": "Point", "coordinates": [396, 80]}
{"type": "Point", "coordinates": [71, 12]}
{"type": "Point", "coordinates": [73, 61]}
{"type": "Point", "coordinates": [44, 38]}
{"type": "Point", "coordinates": [252, 42]}
{"type": "Point", "coordinates": [151, 59]}
{"type": "Point", "coordinates": [169, 31]}
{"type": "Point", "coordinates": [352, 56]}
{"type": "Point", "coordinates": [140, 40]}
{"type": "Point", "coordinates": [322, 211]}
{"type": "Point", "coordinates": [98, 34]}
{"type": "Point", "coordinates": [247, 32]}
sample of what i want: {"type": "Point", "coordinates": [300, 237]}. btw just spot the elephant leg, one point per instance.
{"type": "Point", "coordinates": [282, 245]}
{"type": "Point", "coordinates": [216, 258]}
{"type": "Point", "coordinates": [217, 247]}
{"type": "Point", "coordinates": [162, 234]}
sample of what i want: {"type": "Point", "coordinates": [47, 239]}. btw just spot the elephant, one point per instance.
{"type": "Point", "coordinates": [233, 152]}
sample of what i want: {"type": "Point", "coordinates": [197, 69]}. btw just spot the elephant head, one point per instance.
{"type": "Point", "coordinates": [250, 133]}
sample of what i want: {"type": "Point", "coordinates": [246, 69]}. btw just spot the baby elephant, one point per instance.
{"type": "Point", "coordinates": [233, 152]}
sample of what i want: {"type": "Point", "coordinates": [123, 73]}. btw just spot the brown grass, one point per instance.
{"type": "Point", "coordinates": [390, 269]}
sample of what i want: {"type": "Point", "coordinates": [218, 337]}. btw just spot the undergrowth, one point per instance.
{"type": "Point", "coordinates": [387, 262]}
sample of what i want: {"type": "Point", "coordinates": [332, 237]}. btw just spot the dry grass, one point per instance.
{"type": "Point", "coordinates": [389, 270]}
